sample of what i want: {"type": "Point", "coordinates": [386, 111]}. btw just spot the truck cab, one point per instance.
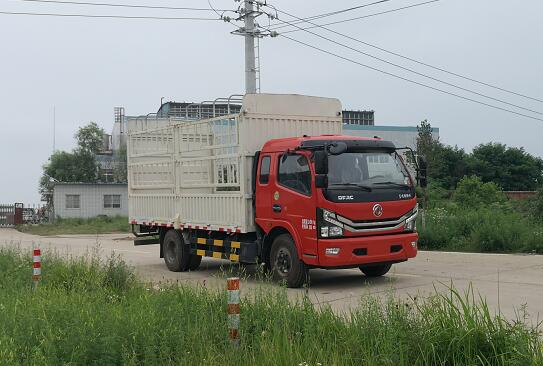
{"type": "Point", "coordinates": [332, 202]}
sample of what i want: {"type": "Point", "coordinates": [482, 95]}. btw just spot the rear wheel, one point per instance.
{"type": "Point", "coordinates": [176, 253]}
{"type": "Point", "coordinates": [376, 270]}
{"type": "Point", "coordinates": [285, 264]}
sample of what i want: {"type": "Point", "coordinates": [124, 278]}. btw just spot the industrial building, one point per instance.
{"type": "Point", "coordinates": [86, 200]}
{"type": "Point", "coordinates": [188, 111]}
{"type": "Point", "coordinates": [401, 136]}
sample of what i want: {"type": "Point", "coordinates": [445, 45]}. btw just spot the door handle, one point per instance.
{"type": "Point", "coordinates": [276, 208]}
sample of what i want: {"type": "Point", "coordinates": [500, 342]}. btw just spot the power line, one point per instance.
{"type": "Point", "coordinates": [400, 66]}
{"type": "Point", "coordinates": [314, 17]}
{"type": "Point", "coordinates": [364, 16]}
{"type": "Point", "coordinates": [118, 5]}
{"type": "Point", "coordinates": [106, 16]}
{"type": "Point", "coordinates": [409, 80]}
{"type": "Point", "coordinates": [406, 58]}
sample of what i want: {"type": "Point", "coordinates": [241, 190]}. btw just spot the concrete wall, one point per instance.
{"type": "Point", "coordinates": [91, 199]}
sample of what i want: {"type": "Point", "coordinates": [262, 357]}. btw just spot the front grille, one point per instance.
{"type": "Point", "coordinates": [376, 225]}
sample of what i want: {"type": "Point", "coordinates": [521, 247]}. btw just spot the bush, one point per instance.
{"type": "Point", "coordinates": [493, 228]}
{"type": "Point", "coordinates": [536, 205]}
{"type": "Point", "coordinates": [471, 191]}
{"type": "Point", "coordinates": [86, 313]}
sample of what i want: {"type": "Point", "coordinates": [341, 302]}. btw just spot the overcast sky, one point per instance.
{"type": "Point", "coordinates": [85, 67]}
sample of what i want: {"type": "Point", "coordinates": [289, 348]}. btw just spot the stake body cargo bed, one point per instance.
{"type": "Point", "coordinates": [198, 174]}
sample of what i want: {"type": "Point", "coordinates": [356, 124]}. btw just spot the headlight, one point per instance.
{"type": "Point", "coordinates": [411, 225]}
{"type": "Point", "coordinates": [411, 222]}
{"type": "Point", "coordinates": [329, 226]}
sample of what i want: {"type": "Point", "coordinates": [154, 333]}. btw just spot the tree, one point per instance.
{"type": "Point", "coordinates": [79, 166]}
{"type": "Point", "coordinates": [425, 140]}
{"type": "Point", "coordinates": [90, 138]}
{"type": "Point", "coordinates": [471, 191]}
{"type": "Point", "coordinates": [446, 164]}
{"type": "Point", "coordinates": [120, 173]}
{"type": "Point", "coordinates": [511, 168]}
{"type": "Point", "coordinates": [449, 165]}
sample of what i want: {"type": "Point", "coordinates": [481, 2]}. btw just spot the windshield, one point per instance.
{"type": "Point", "coordinates": [374, 170]}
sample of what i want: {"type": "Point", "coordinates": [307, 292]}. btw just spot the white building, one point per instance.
{"type": "Point", "coordinates": [86, 200]}
{"type": "Point", "coordinates": [401, 136]}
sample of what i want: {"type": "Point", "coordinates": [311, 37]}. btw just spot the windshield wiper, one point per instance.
{"type": "Point", "coordinates": [366, 188]}
{"type": "Point", "coordinates": [403, 185]}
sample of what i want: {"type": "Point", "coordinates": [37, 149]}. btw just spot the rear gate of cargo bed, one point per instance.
{"type": "Point", "coordinates": [235, 251]}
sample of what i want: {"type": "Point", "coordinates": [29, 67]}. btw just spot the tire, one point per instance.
{"type": "Point", "coordinates": [376, 271]}
{"type": "Point", "coordinates": [194, 262]}
{"type": "Point", "coordinates": [176, 253]}
{"type": "Point", "coordinates": [285, 264]}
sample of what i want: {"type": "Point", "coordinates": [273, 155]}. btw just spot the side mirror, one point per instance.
{"type": "Point", "coordinates": [337, 148]}
{"type": "Point", "coordinates": [321, 162]}
{"type": "Point", "coordinates": [422, 173]}
{"type": "Point", "coordinates": [321, 181]}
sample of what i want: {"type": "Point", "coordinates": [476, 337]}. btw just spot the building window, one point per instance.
{"type": "Point", "coordinates": [72, 201]}
{"type": "Point", "coordinates": [112, 201]}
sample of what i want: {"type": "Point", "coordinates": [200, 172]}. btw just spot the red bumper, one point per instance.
{"type": "Point", "coordinates": [363, 250]}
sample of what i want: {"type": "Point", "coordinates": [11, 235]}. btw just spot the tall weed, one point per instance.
{"type": "Point", "coordinates": [93, 312]}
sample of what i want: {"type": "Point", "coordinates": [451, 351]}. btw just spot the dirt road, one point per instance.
{"type": "Point", "coordinates": [506, 281]}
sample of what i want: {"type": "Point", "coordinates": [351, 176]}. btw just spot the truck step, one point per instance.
{"type": "Point", "coordinates": [148, 241]}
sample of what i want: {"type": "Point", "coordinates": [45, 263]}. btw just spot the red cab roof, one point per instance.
{"type": "Point", "coordinates": [293, 142]}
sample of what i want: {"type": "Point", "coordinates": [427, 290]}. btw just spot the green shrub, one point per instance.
{"type": "Point", "coordinates": [494, 228]}
{"type": "Point", "coordinates": [471, 191]}
{"type": "Point", "coordinates": [536, 205]}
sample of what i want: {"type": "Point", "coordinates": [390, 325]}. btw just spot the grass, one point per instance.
{"type": "Point", "coordinates": [94, 312]}
{"type": "Point", "coordinates": [98, 225]}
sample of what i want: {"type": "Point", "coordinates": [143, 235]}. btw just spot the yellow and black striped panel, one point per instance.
{"type": "Point", "coordinates": [215, 248]}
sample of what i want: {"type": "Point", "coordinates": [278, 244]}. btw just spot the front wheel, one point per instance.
{"type": "Point", "coordinates": [285, 264]}
{"type": "Point", "coordinates": [376, 270]}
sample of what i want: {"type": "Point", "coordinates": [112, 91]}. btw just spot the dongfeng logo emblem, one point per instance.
{"type": "Point", "coordinates": [377, 210]}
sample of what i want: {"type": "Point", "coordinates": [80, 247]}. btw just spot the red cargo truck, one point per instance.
{"type": "Point", "coordinates": [327, 201]}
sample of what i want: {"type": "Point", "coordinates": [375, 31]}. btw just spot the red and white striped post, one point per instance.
{"type": "Point", "coordinates": [233, 309]}
{"type": "Point", "coordinates": [36, 274]}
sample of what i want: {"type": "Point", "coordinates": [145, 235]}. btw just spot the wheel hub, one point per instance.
{"type": "Point", "coordinates": [283, 261]}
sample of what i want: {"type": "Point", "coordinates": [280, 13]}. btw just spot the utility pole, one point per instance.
{"type": "Point", "coordinates": [252, 32]}
{"type": "Point", "coordinates": [54, 128]}
{"type": "Point", "coordinates": [250, 66]}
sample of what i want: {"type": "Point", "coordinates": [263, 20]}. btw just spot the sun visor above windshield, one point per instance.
{"type": "Point", "coordinates": [352, 145]}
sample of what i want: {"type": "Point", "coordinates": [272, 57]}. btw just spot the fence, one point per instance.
{"type": "Point", "coordinates": [18, 213]}
{"type": "Point", "coordinates": [11, 215]}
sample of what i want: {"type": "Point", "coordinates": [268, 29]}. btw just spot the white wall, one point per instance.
{"type": "Point", "coordinates": [91, 200]}
{"type": "Point", "coordinates": [400, 136]}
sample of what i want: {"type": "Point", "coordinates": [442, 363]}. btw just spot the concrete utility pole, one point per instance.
{"type": "Point", "coordinates": [250, 67]}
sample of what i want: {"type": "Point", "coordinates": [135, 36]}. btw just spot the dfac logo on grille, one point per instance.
{"type": "Point", "coordinates": [377, 210]}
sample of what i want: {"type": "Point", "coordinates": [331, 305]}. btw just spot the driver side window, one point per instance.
{"type": "Point", "coordinates": [294, 173]}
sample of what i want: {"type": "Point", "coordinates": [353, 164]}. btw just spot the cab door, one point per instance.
{"type": "Point", "coordinates": [294, 201]}
{"type": "Point", "coordinates": [263, 192]}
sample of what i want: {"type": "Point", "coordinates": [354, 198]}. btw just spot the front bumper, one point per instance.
{"type": "Point", "coordinates": [369, 249]}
